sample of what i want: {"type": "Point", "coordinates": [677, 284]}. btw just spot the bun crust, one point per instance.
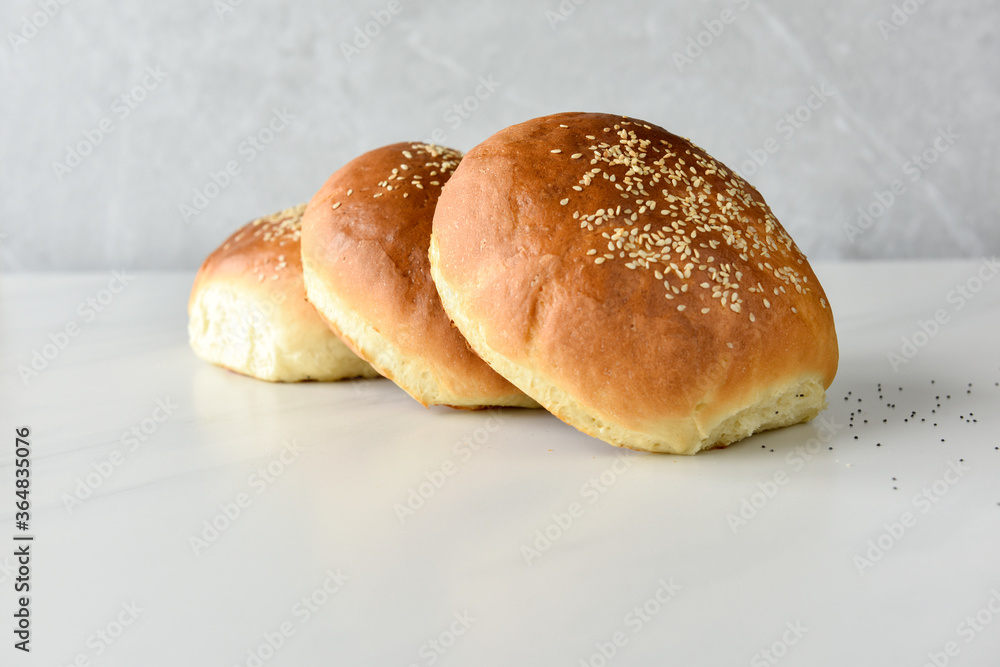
{"type": "Point", "coordinates": [631, 284]}
{"type": "Point", "coordinates": [248, 312]}
{"type": "Point", "coordinates": [365, 236]}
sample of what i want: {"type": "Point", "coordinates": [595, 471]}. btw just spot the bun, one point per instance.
{"type": "Point", "coordinates": [637, 288]}
{"type": "Point", "coordinates": [364, 253]}
{"type": "Point", "coordinates": [248, 311]}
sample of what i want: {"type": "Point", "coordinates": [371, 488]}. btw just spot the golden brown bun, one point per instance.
{"type": "Point", "coordinates": [364, 252]}
{"type": "Point", "coordinates": [248, 310]}
{"type": "Point", "coordinates": [631, 284]}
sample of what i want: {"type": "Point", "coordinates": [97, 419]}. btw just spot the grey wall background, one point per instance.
{"type": "Point", "coordinates": [894, 76]}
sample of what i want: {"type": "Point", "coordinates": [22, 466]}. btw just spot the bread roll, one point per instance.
{"type": "Point", "coordinates": [637, 288]}
{"type": "Point", "coordinates": [364, 253]}
{"type": "Point", "coordinates": [248, 311]}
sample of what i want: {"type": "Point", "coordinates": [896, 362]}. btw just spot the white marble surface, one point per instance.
{"type": "Point", "coordinates": [888, 94]}
{"type": "Point", "coordinates": [658, 525]}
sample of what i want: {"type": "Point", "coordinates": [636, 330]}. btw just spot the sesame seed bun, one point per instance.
{"type": "Point", "coordinates": [634, 286]}
{"type": "Point", "coordinates": [364, 253]}
{"type": "Point", "coordinates": [248, 310]}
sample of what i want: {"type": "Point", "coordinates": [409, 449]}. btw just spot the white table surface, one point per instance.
{"type": "Point", "coordinates": [655, 525]}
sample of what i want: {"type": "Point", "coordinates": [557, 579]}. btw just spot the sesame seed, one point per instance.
{"type": "Point", "coordinates": [576, 155]}
{"type": "Point", "coordinates": [694, 201]}
{"type": "Point", "coordinates": [599, 260]}
{"type": "Point", "coordinates": [336, 206]}
{"type": "Point", "coordinates": [681, 307]}
{"type": "Point", "coordinates": [555, 150]}
{"type": "Point", "coordinates": [564, 201]}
